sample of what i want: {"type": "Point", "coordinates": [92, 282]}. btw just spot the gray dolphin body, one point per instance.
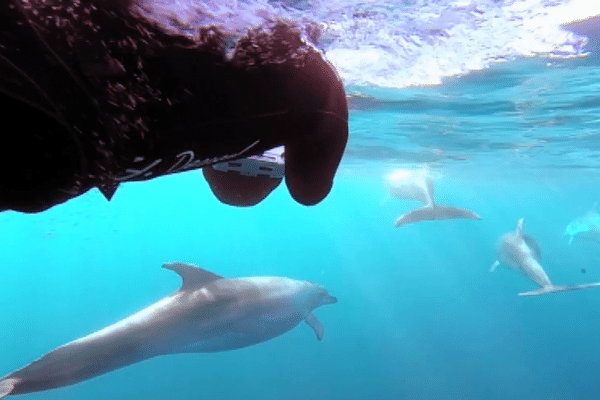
{"type": "Point", "coordinates": [419, 185]}
{"type": "Point", "coordinates": [585, 227]}
{"type": "Point", "coordinates": [520, 251]}
{"type": "Point", "coordinates": [207, 314]}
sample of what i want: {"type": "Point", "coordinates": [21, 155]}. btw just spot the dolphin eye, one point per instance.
{"type": "Point", "coordinates": [324, 295]}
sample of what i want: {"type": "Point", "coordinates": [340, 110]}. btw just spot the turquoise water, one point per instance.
{"type": "Point", "coordinates": [419, 314]}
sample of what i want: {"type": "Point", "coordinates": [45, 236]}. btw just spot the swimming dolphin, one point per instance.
{"type": "Point", "coordinates": [208, 313]}
{"type": "Point", "coordinates": [418, 185]}
{"type": "Point", "coordinates": [520, 251]}
{"type": "Point", "coordinates": [585, 227]}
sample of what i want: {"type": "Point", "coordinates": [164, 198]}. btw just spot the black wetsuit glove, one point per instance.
{"type": "Point", "coordinates": [93, 95]}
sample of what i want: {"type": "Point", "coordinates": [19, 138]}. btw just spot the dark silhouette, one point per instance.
{"type": "Point", "coordinates": [94, 94]}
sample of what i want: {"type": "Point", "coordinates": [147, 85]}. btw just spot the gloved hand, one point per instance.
{"type": "Point", "coordinates": [102, 96]}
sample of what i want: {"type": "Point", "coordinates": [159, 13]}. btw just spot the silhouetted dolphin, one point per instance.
{"type": "Point", "coordinates": [586, 227]}
{"type": "Point", "coordinates": [521, 252]}
{"type": "Point", "coordinates": [418, 185]}
{"type": "Point", "coordinates": [208, 313]}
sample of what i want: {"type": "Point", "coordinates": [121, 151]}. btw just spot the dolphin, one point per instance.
{"type": "Point", "coordinates": [585, 227]}
{"type": "Point", "coordinates": [208, 313]}
{"type": "Point", "coordinates": [521, 252]}
{"type": "Point", "coordinates": [418, 185]}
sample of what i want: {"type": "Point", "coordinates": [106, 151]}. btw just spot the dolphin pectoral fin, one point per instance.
{"type": "Point", "coordinates": [494, 266]}
{"type": "Point", "coordinates": [314, 323]}
{"type": "Point", "coordinates": [7, 386]}
{"type": "Point", "coordinates": [559, 288]}
{"type": "Point", "coordinates": [192, 276]}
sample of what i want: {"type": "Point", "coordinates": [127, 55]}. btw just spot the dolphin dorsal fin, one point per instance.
{"type": "Point", "coordinates": [430, 190]}
{"type": "Point", "coordinates": [193, 277]}
{"type": "Point", "coordinates": [519, 230]}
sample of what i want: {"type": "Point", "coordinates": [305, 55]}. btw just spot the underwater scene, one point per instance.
{"type": "Point", "coordinates": [457, 255]}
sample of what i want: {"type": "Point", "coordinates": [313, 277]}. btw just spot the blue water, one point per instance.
{"type": "Point", "coordinates": [419, 314]}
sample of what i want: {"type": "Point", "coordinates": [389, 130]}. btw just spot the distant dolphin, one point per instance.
{"type": "Point", "coordinates": [521, 252]}
{"type": "Point", "coordinates": [208, 313]}
{"type": "Point", "coordinates": [418, 185]}
{"type": "Point", "coordinates": [586, 227]}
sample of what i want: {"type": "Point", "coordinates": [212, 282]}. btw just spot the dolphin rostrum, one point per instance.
{"type": "Point", "coordinates": [208, 313]}
{"type": "Point", "coordinates": [520, 251]}
{"type": "Point", "coordinates": [418, 185]}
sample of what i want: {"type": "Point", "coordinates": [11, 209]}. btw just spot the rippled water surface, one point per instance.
{"type": "Point", "coordinates": [497, 98]}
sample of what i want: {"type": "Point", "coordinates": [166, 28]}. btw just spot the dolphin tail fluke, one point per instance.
{"type": "Point", "coordinates": [444, 212]}
{"type": "Point", "coordinates": [7, 386]}
{"type": "Point", "coordinates": [434, 213]}
{"type": "Point", "coordinates": [419, 214]}
{"type": "Point", "coordinates": [559, 288]}
{"type": "Point", "coordinates": [494, 266]}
